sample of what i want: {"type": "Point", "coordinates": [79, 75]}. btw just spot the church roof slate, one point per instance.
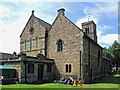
{"type": "Point", "coordinates": [43, 23]}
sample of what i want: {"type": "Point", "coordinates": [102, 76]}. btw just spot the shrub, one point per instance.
{"type": "Point", "coordinates": [118, 71]}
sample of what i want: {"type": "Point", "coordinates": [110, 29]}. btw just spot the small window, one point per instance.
{"type": "Point", "coordinates": [30, 67]}
{"type": "Point", "coordinates": [49, 67]}
{"type": "Point", "coordinates": [31, 30]}
{"type": "Point", "coordinates": [59, 45]}
{"type": "Point", "coordinates": [86, 30]}
{"type": "Point", "coordinates": [36, 43]}
{"type": "Point", "coordinates": [68, 68]}
{"type": "Point", "coordinates": [30, 44]}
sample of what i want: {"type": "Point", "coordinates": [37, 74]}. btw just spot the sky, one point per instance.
{"type": "Point", "coordinates": [14, 15]}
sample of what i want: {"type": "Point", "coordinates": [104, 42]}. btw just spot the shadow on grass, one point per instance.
{"type": "Point", "coordinates": [111, 79]}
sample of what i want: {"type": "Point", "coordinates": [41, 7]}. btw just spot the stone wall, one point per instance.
{"type": "Point", "coordinates": [39, 32]}
{"type": "Point", "coordinates": [71, 36]}
{"type": "Point", "coordinates": [92, 65]}
{"type": "Point", "coordinates": [31, 77]}
{"type": "Point", "coordinates": [106, 66]}
{"type": "Point", "coordinates": [91, 29]}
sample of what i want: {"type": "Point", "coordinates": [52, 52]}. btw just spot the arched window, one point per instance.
{"type": "Point", "coordinates": [37, 42]}
{"type": "Point", "coordinates": [59, 45]}
{"type": "Point", "coordinates": [25, 44]}
{"type": "Point", "coordinates": [98, 54]}
{"type": "Point", "coordinates": [66, 68]}
{"type": "Point", "coordinates": [30, 44]}
{"type": "Point", "coordinates": [87, 30]}
{"type": "Point", "coordinates": [98, 57]}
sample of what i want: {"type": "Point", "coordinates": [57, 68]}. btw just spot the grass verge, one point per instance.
{"type": "Point", "coordinates": [111, 82]}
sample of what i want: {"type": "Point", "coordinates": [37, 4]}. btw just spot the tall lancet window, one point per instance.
{"type": "Point", "coordinates": [30, 44]}
{"type": "Point", "coordinates": [36, 42]}
{"type": "Point", "coordinates": [98, 57]}
{"type": "Point", "coordinates": [59, 45]}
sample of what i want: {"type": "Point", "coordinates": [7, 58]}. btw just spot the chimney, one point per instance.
{"type": "Point", "coordinates": [61, 11]}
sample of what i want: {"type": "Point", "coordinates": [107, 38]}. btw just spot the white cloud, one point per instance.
{"type": "Point", "coordinates": [102, 28]}
{"type": "Point", "coordinates": [60, 0]}
{"type": "Point", "coordinates": [105, 8]}
{"type": "Point", "coordinates": [85, 19]}
{"type": "Point", "coordinates": [101, 10]}
{"type": "Point", "coordinates": [4, 12]}
{"type": "Point", "coordinates": [10, 33]}
{"type": "Point", "coordinates": [107, 40]}
{"type": "Point", "coordinates": [99, 33]}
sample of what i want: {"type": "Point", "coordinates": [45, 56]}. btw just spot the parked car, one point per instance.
{"type": "Point", "coordinates": [8, 75]}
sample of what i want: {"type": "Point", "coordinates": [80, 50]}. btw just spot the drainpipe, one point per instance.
{"type": "Point", "coordinates": [46, 40]}
{"type": "Point", "coordinates": [81, 60]}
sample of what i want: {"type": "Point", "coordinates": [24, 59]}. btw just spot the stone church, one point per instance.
{"type": "Point", "coordinates": [62, 49]}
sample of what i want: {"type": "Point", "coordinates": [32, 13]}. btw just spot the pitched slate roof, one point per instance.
{"type": "Point", "coordinates": [6, 67]}
{"type": "Point", "coordinates": [4, 56]}
{"type": "Point", "coordinates": [43, 23]}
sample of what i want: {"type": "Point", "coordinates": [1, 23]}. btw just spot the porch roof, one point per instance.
{"type": "Point", "coordinates": [6, 67]}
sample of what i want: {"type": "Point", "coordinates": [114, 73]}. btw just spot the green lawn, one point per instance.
{"type": "Point", "coordinates": [112, 81]}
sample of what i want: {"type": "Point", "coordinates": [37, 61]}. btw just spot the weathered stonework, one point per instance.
{"type": "Point", "coordinates": [72, 38]}
{"type": "Point", "coordinates": [90, 57]}
{"type": "Point", "coordinates": [39, 32]}
{"type": "Point", "coordinates": [80, 48]}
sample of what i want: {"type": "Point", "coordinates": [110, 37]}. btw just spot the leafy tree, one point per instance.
{"type": "Point", "coordinates": [113, 53]}
{"type": "Point", "coordinates": [115, 49]}
{"type": "Point", "coordinates": [107, 53]}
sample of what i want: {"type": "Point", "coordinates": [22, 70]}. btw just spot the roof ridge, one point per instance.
{"type": "Point", "coordinates": [43, 23]}
{"type": "Point", "coordinates": [6, 53]}
{"type": "Point", "coordinates": [42, 20]}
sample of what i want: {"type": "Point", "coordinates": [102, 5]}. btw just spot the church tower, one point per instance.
{"type": "Point", "coordinates": [89, 28]}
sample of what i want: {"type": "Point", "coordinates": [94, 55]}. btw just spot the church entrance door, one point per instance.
{"type": "Point", "coordinates": [40, 71]}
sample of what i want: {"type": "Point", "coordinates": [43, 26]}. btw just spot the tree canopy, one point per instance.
{"type": "Point", "coordinates": [113, 52]}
